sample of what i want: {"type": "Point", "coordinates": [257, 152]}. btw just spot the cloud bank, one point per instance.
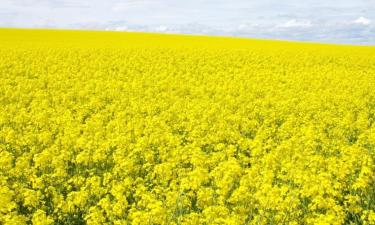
{"type": "Point", "coordinates": [335, 21]}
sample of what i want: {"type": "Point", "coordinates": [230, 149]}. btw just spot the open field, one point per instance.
{"type": "Point", "coordinates": [134, 128]}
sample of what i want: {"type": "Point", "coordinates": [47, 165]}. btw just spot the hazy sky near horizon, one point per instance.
{"type": "Point", "coordinates": [337, 21]}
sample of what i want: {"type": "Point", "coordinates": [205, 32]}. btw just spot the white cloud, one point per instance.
{"type": "Point", "coordinates": [161, 28]}
{"type": "Point", "coordinates": [131, 5]}
{"type": "Point", "coordinates": [121, 28]}
{"type": "Point", "coordinates": [247, 26]}
{"type": "Point", "coordinates": [49, 3]}
{"type": "Point", "coordinates": [296, 24]}
{"type": "Point", "coordinates": [362, 21]}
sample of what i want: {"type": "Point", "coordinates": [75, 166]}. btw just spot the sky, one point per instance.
{"type": "Point", "coordinates": [331, 21]}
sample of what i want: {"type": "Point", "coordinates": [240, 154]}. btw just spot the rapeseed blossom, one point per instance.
{"type": "Point", "coordinates": [134, 128]}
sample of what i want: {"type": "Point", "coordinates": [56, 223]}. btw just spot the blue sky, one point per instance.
{"type": "Point", "coordinates": [335, 21]}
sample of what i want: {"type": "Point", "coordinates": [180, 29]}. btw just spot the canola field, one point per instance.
{"type": "Point", "coordinates": [136, 128]}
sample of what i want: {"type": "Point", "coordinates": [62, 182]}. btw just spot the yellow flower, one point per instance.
{"type": "Point", "coordinates": [133, 128]}
{"type": "Point", "coordinates": [40, 218]}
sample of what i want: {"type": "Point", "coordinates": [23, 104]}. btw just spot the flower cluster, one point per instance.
{"type": "Point", "coordinates": [132, 128]}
